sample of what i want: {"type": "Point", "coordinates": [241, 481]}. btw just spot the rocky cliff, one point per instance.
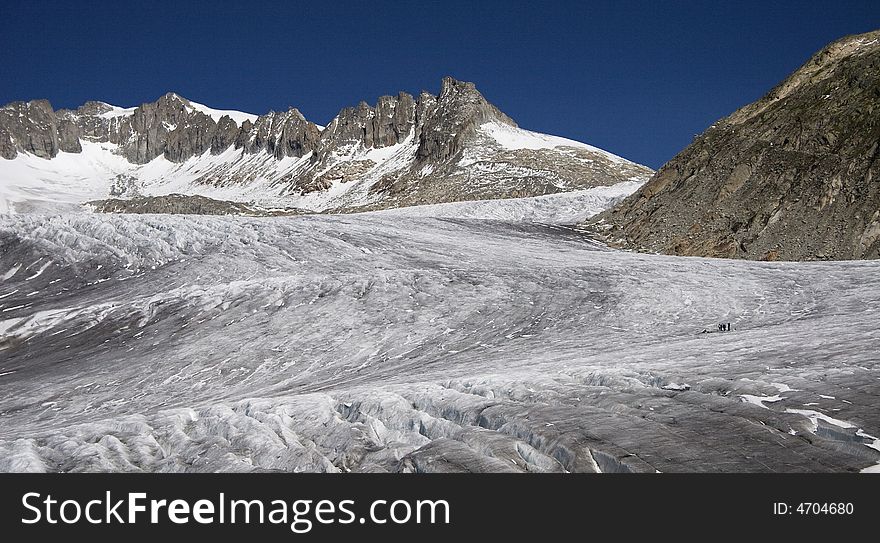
{"type": "Point", "coordinates": [793, 176]}
{"type": "Point", "coordinates": [172, 127]}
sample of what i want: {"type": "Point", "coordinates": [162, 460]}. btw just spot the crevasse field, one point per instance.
{"type": "Point", "coordinates": [478, 337]}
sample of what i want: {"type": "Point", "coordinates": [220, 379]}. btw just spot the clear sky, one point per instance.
{"type": "Point", "coordinates": [638, 78]}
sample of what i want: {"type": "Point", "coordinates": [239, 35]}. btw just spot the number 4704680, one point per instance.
{"type": "Point", "coordinates": [808, 508]}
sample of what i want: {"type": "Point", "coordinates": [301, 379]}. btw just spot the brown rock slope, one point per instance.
{"type": "Point", "coordinates": [793, 176]}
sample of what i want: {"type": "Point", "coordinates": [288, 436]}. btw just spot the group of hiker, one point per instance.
{"type": "Point", "coordinates": [722, 327]}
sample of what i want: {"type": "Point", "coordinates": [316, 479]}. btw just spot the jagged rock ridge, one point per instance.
{"type": "Point", "coordinates": [172, 127]}
{"type": "Point", "coordinates": [793, 176]}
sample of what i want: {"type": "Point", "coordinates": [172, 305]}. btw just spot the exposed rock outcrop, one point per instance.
{"type": "Point", "coordinates": [451, 119]}
{"type": "Point", "coordinates": [183, 204]}
{"type": "Point", "coordinates": [386, 124]}
{"type": "Point", "coordinates": [29, 127]}
{"type": "Point", "coordinates": [280, 134]}
{"type": "Point", "coordinates": [225, 135]}
{"type": "Point", "coordinates": [68, 137]}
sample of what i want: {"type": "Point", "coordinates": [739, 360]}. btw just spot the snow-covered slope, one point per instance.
{"type": "Point", "coordinates": [512, 137]}
{"type": "Point", "coordinates": [29, 183]}
{"type": "Point", "coordinates": [238, 116]}
{"type": "Point", "coordinates": [116, 111]}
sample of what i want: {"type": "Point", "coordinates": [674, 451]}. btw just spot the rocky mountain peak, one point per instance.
{"type": "Point", "coordinates": [176, 128]}
{"type": "Point", "coordinates": [226, 134]}
{"type": "Point", "coordinates": [449, 85]}
{"type": "Point", "coordinates": [452, 118]}
{"type": "Point", "coordinates": [387, 123]}
{"type": "Point", "coordinates": [93, 107]}
{"type": "Point", "coordinates": [170, 127]}
{"type": "Point", "coordinates": [294, 112]}
{"type": "Point", "coordinates": [280, 134]}
{"type": "Point", "coordinates": [463, 100]}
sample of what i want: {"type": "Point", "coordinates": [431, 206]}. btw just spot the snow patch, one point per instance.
{"type": "Point", "coordinates": [28, 181]}
{"type": "Point", "coordinates": [39, 272]}
{"type": "Point", "coordinates": [815, 416]}
{"type": "Point", "coordinates": [676, 386]}
{"type": "Point", "coordinates": [759, 400]}
{"type": "Point", "coordinates": [238, 116]}
{"type": "Point", "coordinates": [116, 111]}
{"type": "Point", "coordinates": [782, 387]}
{"type": "Point", "coordinates": [875, 441]}
{"type": "Point", "coordinates": [511, 137]}
{"type": "Point", "coordinates": [12, 271]}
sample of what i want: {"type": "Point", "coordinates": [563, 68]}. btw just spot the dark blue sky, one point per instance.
{"type": "Point", "coordinates": [636, 78]}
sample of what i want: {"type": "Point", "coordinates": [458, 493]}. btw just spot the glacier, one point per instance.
{"type": "Point", "coordinates": [470, 336]}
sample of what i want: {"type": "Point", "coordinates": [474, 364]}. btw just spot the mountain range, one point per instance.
{"type": "Point", "coordinates": [403, 151]}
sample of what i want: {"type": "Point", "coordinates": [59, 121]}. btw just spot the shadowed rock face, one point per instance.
{"type": "Point", "coordinates": [225, 135]}
{"type": "Point", "coordinates": [31, 127]}
{"type": "Point", "coordinates": [452, 118]}
{"type": "Point", "coordinates": [793, 176]}
{"type": "Point", "coordinates": [386, 124]}
{"type": "Point", "coordinates": [170, 127]}
{"type": "Point", "coordinates": [280, 134]}
{"type": "Point", "coordinates": [68, 136]}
